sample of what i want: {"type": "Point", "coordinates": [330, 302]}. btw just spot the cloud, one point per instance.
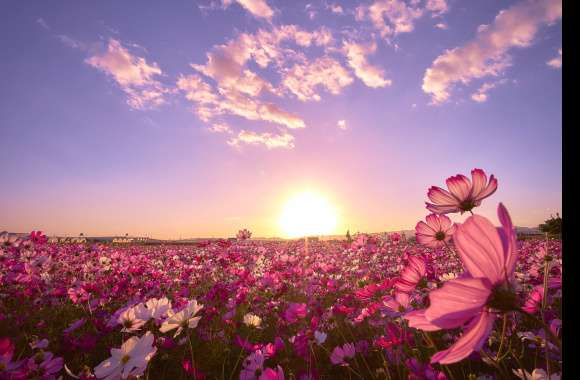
{"type": "Point", "coordinates": [356, 55]}
{"type": "Point", "coordinates": [442, 26]}
{"type": "Point", "coordinates": [487, 53]}
{"type": "Point", "coordinates": [269, 140]}
{"type": "Point", "coordinates": [336, 8]}
{"type": "Point", "coordinates": [40, 21]}
{"type": "Point", "coordinates": [304, 79]}
{"type": "Point", "coordinates": [258, 8]}
{"type": "Point", "coordinates": [239, 90]}
{"type": "Point", "coordinates": [220, 128]}
{"type": "Point", "coordinates": [480, 96]}
{"type": "Point", "coordinates": [341, 124]}
{"type": "Point", "coordinates": [556, 62]}
{"type": "Point", "coordinates": [210, 103]}
{"type": "Point", "coordinates": [438, 7]}
{"type": "Point", "coordinates": [133, 74]}
{"type": "Point", "coordinates": [391, 17]}
{"type": "Point", "coordinates": [71, 42]}
{"type": "Point", "coordinates": [271, 112]}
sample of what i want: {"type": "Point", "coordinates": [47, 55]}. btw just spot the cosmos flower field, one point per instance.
{"type": "Point", "coordinates": [458, 301]}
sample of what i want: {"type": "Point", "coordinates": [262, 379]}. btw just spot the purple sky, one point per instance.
{"type": "Point", "coordinates": [188, 118]}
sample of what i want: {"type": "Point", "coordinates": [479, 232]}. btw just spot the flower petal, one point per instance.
{"type": "Point", "coordinates": [472, 340]}
{"type": "Point", "coordinates": [417, 320]}
{"type": "Point", "coordinates": [459, 186]}
{"type": "Point", "coordinates": [480, 248]}
{"type": "Point", "coordinates": [457, 301]}
{"type": "Point", "coordinates": [508, 237]}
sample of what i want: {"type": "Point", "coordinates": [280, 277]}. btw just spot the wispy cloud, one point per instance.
{"type": "Point", "coordinates": [487, 54]}
{"type": "Point", "coordinates": [341, 124]}
{"type": "Point", "coordinates": [40, 21]}
{"type": "Point", "coordinates": [356, 55]}
{"type": "Point", "coordinates": [269, 140]}
{"type": "Point", "coordinates": [304, 79]}
{"type": "Point", "coordinates": [258, 8]}
{"type": "Point", "coordinates": [134, 75]}
{"type": "Point", "coordinates": [480, 96]}
{"type": "Point", "coordinates": [220, 128]}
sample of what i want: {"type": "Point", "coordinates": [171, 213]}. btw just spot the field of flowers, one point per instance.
{"type": "Point", "coordinates": [465, 301]}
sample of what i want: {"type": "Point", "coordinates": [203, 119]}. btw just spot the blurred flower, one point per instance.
{"type": "Point", "coordinates": [320, 337]}
{"type": "Point", "coordinates": [339, 354]}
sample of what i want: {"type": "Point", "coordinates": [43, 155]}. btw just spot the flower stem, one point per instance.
{"type": "Point", "coordinates": [503, 331]}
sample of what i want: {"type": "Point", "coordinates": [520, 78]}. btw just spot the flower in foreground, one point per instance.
{"type": "Point", "coordinates": [489, 257]}
{"type": "Point", "coordinates": [436, 232]}
{"type": "Point", "coordinates": [158, 308]}
{"type": "Point", "coordinates": [463, 194]}
{"type": "Point", "coordinates": [129, 360]}
{"type": "Point", "coordinates": [183, 319]}
{"type": "Point", "coordinates": [133, 318]}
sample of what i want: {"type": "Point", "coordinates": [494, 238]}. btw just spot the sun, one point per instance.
{"type": "Point", "coordinates": [307, 214]}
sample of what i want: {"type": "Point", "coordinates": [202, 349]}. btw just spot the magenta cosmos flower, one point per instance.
{"type": "Point", "coordinates": [463, 194]}
{"type": "Point", "coordinates": [436, 232]}
{"type": "Point", "coordinates": [472, 301]}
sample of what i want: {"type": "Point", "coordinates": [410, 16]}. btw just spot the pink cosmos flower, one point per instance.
{"type": "Point", "coordinates": [244, 234]}
{"type": "Point", "coordinates": [38, 237]}
{"type": "Point", "coordinates": [535, 300]}
{"type": "Point", "coordinates": [463, 194]}
{"type": "Point", "coordinates": [398, 304]}
{"type": "Point", "coordinates": [411, 275]}
{"type": "Point", "coordinates": [436, 232]}
{"type": "Point", "coordinates": [489, 257]}
{"type": "Point", "coordinates": [340, 353]}
{"type": "Point", "coordinates": [294, 312]}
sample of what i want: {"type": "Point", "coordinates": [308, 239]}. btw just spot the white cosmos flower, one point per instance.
{"type": "Point", "coordinates": [129, 360]}
{"type": "Point", "coordinates": [134, 318]}
{"type": "Point", "coordinates": [158, 307]}
{"type": "Point", "coordinates": [183, 319]}
{"type": "Point", "coordinates": [252, 320]}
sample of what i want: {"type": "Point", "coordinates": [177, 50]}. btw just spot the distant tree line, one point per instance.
{"type": "Point", "coordinates": [552, 226]}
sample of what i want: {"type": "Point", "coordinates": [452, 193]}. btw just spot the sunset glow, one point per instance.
{"type": "Point", "coordinates": [308, 214]}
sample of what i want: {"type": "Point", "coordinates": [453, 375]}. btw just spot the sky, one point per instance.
{"type": "Point", "coordinates": [199, 118]}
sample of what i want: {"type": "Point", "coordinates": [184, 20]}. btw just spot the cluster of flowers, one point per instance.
{"type": "Point", "coordinates": [380, 306]}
